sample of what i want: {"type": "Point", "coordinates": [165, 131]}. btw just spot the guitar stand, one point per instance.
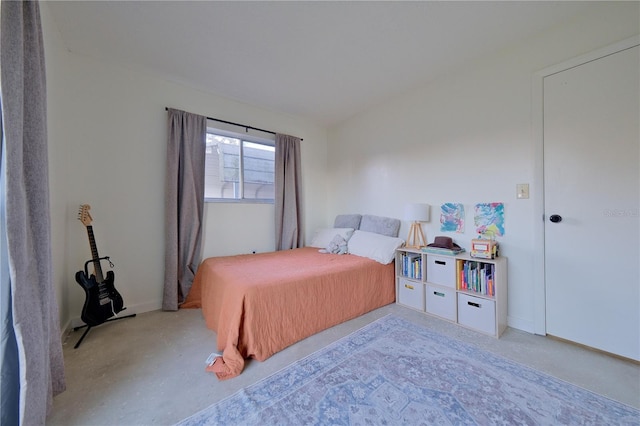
{"type": "Point", "coordinates": [89, 327]}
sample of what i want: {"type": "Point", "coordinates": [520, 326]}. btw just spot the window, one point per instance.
{"type": "Point", "coordinates": [238, 167]}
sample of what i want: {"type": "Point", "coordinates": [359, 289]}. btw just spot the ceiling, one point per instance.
{"type": "Point", "coordinates": [324, 61]}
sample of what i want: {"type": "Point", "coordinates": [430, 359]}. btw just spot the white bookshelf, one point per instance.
{"type": "Point", "coordinates": [468, 291]}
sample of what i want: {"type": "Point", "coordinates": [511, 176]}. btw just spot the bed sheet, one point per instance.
{"type": "Point", "coordinates": [258, 304]}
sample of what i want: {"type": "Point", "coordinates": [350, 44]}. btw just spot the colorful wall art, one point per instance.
{"type": "Point", "coordinates": [452, 217]}
{"type": "Point", "coordinates": [489, 219]}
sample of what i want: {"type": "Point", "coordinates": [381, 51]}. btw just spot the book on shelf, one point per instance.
{"type": "Point", "coordinates": [477, 277]}
{"type": "Point", "coordinates": [412, 265]}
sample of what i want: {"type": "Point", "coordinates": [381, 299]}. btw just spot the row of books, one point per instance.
{"type": "Point", "coordinates": [477, 277]}
{"type": "Point", "coordinates": [411, 264]}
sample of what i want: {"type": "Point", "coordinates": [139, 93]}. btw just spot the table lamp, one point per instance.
{"type": "Point", "coordinates": [416, 213]}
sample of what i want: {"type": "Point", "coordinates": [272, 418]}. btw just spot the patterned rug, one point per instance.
{"type": "Point", "coordinates": [394, 372]}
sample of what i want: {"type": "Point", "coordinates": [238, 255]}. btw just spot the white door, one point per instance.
{"type": "Point", "coordinates": [592, 185]}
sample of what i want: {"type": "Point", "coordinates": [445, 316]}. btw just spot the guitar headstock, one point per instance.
{"type": "Point", "coordinates": [83, 214]}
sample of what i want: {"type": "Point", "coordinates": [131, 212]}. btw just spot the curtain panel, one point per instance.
{"type": "Point", "coordinates": [34, 310]}
{"type": "Point", "coordinates": [288, 193]}
{"type": "Point", "coordinates": [184, 204]}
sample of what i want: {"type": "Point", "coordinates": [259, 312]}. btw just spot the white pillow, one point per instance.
{"type": "Point", "coordinates": [323, 236]}
{"type": "Point", "coordinates": [378, 247]}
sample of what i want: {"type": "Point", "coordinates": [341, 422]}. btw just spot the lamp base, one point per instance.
{"type": "Point", "coordinates": [416, 238]}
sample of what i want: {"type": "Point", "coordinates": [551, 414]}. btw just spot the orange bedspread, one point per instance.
{"type": "Point", "coordinates": [258, 304]}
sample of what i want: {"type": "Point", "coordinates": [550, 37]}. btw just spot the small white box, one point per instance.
{"type": "Point", "coordinates": [411, 293]}
{"type": "Point", "coordinates": [441, 270]}
{"type": "Point", "coordinates": [441, 302]}
{"type": "Point", "coordinates": [477, 313]}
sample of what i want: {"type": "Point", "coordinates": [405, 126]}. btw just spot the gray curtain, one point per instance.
{"type": "Point", "coordinates": [288, 196]}
{"type": "Point", "coordinates": [33, 309]}
{"type": "Point", "coordinates": [184, 204]}
{"type": "Point", "coordinates": [9, 368]}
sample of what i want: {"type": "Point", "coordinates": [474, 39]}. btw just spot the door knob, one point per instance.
{"type": "Point", "coordinates": [555, 218]}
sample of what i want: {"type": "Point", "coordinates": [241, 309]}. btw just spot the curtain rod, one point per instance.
{"type": "Point", "coordinates": [238, 124]}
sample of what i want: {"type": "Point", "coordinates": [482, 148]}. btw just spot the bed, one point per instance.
{"type": "Point", "coordinates": [258, 304]}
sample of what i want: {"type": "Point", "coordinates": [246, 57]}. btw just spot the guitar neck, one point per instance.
{"type": "Point", "coordinates": [94, 255]}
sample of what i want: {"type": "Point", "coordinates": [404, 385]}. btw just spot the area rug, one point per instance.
{"type": "Point", "coordinates": [394, 372]}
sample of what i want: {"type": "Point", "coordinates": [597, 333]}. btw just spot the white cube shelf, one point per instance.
{"type": "Point", "coordinates": [477, 313]}
{"type": "Point", "coordinates": [441, 302]}
{"type": "Point", "coordinates": [469, 291]}
{"type": "Point", "coordinates": [411, 294]}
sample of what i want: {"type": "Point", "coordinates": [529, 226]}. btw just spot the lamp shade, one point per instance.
{"type": "Point", "coordinates": [417, 212]}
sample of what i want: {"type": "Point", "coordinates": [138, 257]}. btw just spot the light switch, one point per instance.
{"type": "Point", "coordinates": [522, 191]}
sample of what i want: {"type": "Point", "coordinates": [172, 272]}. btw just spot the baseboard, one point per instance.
{"type": "Point", "coordinates": [65, 331]}
{"type": "Point", "coordinates": [521, 324]}
{"type": "Point", "coordinates": [139, 308]}
{"type": "Point", "coordinates": [596, 350]}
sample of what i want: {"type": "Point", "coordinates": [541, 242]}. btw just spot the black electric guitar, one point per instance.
{"type": "Point", "coordinates": [102, 299]}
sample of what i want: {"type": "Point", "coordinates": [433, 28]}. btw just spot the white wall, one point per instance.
{"type": "Point", "coordinates": [466, 138]}
{"type": "Point", "coordinates": [57, 162]}
{"type": "Point", "coordinates": [107, 136]}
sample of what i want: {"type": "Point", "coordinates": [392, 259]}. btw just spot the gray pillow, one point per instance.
{"type": "Point", "coordinates": [347, 221]}
{"type": "Point", "coordinates": [380, 225]}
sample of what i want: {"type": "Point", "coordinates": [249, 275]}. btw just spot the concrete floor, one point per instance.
{"type": "Point", "coordinates": [149, 370]}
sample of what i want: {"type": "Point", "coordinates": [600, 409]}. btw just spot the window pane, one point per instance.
{"type": "Point", "coordinates": [258, 171]}
{"type": "Point", "coordinates": [222, 167]}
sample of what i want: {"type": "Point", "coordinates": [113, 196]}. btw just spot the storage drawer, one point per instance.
{"type": "Point", "coordinates": [477, 313]}
{"type": "Point", "coordinates": [441, 302]}
{"type": "Point", "coordinates": [411, 293]}
{"type": "Point", "coordinates": [441, 270]}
